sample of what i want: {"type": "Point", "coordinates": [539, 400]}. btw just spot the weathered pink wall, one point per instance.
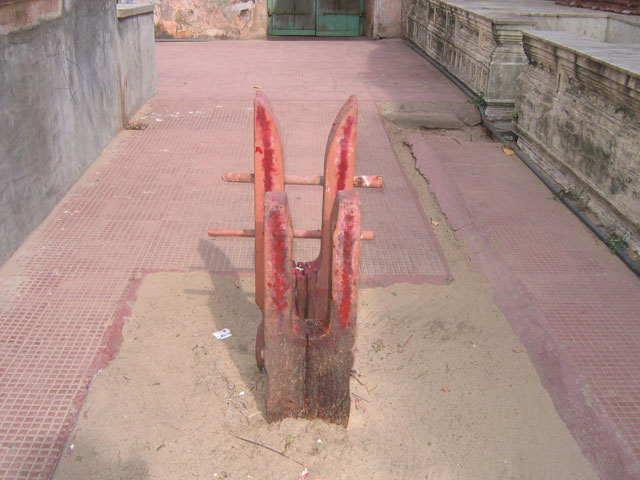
{"type": "Point", "coordinates": [620, 6]}
{"type": "Point", "coordinates": [382, 18]}
{"type": "Point", "coordinates": [14, 15]}
{"type": "Point", "coordinates": [388, 18]}
{"type": "Point", "coordinates": [368, 18]}
{"type": "Point", "coordinates": [211, 18]}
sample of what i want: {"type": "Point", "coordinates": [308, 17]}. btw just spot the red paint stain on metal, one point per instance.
{"type": "Point", "coordinates": [267, 159]}
{"type": "Point", "coordinates": [345, 144]}
{"type": "Point", "coordinates": [347, 270]}
{"type": "Point", "coordinates": [280, 284]}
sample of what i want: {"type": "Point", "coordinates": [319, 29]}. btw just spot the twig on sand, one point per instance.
{"type": "Point", "coordinates": [354, 376]}
{"type": "Point", "coordinates": [269, 448]}
{"type": "Point", "coordinates": [359, 397]}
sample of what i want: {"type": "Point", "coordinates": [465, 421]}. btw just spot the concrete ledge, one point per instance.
{"type": "Point", "coordinates": [624, 57]}
{"type": "Point", "coordinates": [59, 106]}
{"type": "Point", "coordinates": [578, 117]}
{"type": "Point", "coordinates": [611, 69]}
{"type": "Point", "coordinates": [133, 9]}
{"type": "Point", "coordinates": [136, 52]}
{"type": "Point", "coordinates": [485, 54]}
{"type": "Point", "coordinates": [481, 42]}
{"type": "Point", "coordinates": [620, 6]}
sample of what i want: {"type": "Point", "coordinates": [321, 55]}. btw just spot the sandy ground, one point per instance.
{"type": "Point", "coordinates": [445, 391]}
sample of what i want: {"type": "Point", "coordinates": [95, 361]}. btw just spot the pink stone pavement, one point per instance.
{"type": "Point", "coordinates": [146, 203]}
{"type": "Point", "coordinates": [572, 303]}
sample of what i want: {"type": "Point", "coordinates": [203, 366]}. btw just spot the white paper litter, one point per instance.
{"type": "Point", "coordinates": [222, 334]}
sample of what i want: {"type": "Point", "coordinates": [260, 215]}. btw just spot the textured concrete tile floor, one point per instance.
{"type": "Point", "coordinates": [573, 304]}
{"type": "Point", "coordinates": [147, 202]}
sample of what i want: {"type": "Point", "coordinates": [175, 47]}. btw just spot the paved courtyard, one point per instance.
{"type": "Point", "coordinates": [146, 203]}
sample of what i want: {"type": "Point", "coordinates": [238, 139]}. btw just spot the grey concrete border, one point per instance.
{"type": "Point", "coordinates": [133, 9]}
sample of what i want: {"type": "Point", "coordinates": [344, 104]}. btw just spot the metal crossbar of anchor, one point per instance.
{"type": "Point", "coordinates": [306, 339]}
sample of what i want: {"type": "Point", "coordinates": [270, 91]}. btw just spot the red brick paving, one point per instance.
{"type": "Point", "coordinates": [573, 304]}
{"type": "Point", "coordinates": [146, 204]}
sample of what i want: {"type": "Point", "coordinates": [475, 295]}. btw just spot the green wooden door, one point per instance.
{"type": "Point", "coordinates": [316, 17]}
{"type": "Point", "coordinates": [340, 18]}
{"type": "Point", "coordinates": [292, 17]}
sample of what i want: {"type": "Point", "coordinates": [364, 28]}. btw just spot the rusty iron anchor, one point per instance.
{"type": "Point", "coordinates": [306, 339]}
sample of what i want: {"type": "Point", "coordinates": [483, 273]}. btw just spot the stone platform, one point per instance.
{"type": "Point", "coordinates": [481, 42]}
{"type": "Point", "coordinates": [578, 117]}
{"type": "Point", "coordinates": [565, 80]}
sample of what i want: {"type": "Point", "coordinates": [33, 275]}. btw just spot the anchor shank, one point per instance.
{"type": "Point", "coordinates": [362, 181]}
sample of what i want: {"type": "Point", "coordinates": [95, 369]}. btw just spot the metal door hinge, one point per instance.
{"type": "Point", "coordinates": [286, 12]}
{"type": "Point", "coordinates": [353, 14]}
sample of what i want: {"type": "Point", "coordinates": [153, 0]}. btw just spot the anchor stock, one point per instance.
{"type": "Point", "coordinates": [306, 338]}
